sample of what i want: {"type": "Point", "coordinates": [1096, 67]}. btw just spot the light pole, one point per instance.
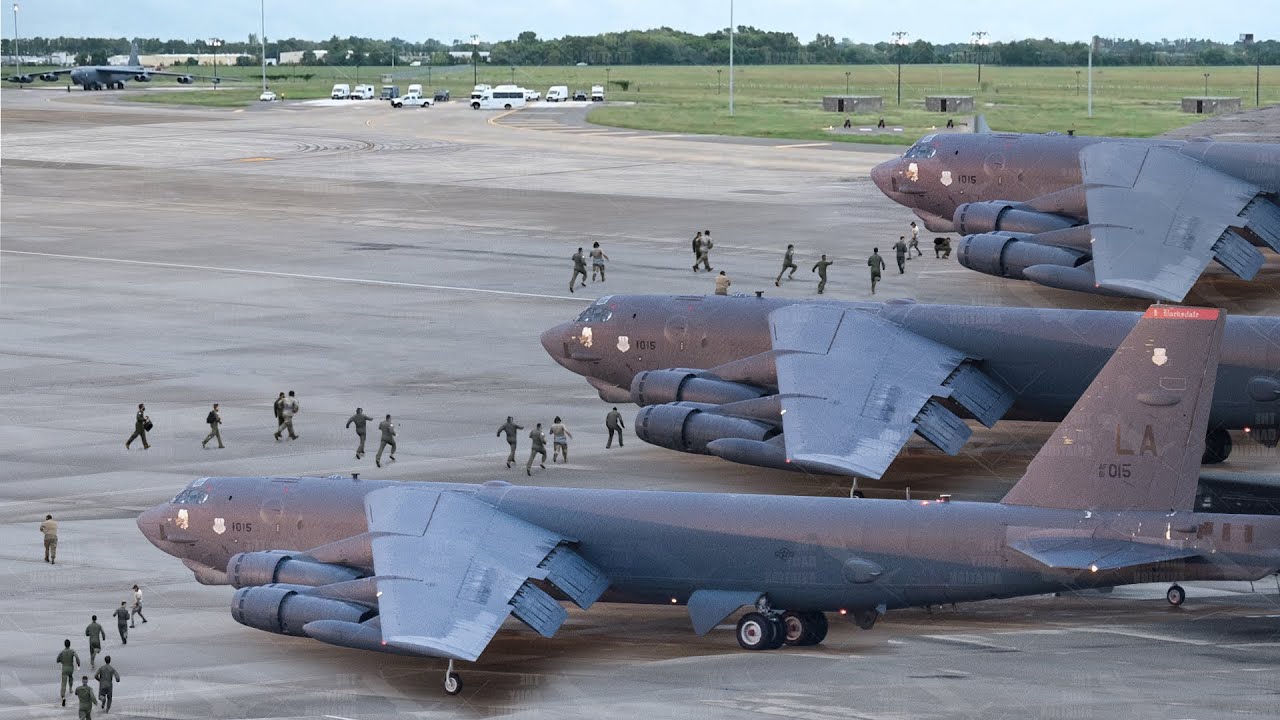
{"type": "Point", "coordinates": [475, 60]}
{"type": "Point", "coordinates": [513, 74]}
{"type": "Point", "coordinates": [730, 58]}
{"type": "Point", "coordinates": [1206, 84]}
{"type": "Point", "coordinates": [847, 74]}
{"type": "Point", "coordinates": [979, 39]}
{"type": "Point", "coordinates": [900, 40]}
{"type": "Point", "coordinates": [215, 43]}
{"type": "Point", "coordinates": [1077, 83]}
{"type": "Point", "coordinates": [17, 59]}
{"type": "Point", "coordinates": [606, 78]}
{"type": "Point", "coordinates": [262, 6]}
{"type": "Point", "coordinates": [718, 71]}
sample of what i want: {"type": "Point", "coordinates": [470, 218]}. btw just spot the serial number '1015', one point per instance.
{"type": "Point", "coordinates": [1115, 470]}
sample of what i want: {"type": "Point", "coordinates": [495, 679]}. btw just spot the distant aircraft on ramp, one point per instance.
{"type": "Point", "coordinates": [435, 569]}
{"type": "Point", "coordinates": [1114, 216]}
{"type": "Point", "coordinates": [103, 77]}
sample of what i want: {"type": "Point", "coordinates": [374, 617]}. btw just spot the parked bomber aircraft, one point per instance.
{"type": "Point", "coordinates": [102, 77]}
{"type": "Point", "coordinates": [1106, 215]}
{"type": "Point", "coordinates": [839, 387]}
{"type": "Point", "coordinates": [434, 569]}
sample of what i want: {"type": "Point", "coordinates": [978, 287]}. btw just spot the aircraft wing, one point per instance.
{"type": "Point", "coordinates": [450, 568]}
{"type": "Point", "coordinates": [1158, 216]}
{"type": "Point", "coordinates": [850, 411]}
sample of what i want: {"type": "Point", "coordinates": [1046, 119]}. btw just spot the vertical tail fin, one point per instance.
{"type": "Point", "coordinates": [1135, 438]}
{"type": "Point", "coordinates": [133, 53]}
{"type": "Point", "coordinates": [980, 125]}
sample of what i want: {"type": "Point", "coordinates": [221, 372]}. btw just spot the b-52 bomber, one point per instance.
{"type": "Point", "coordinates": [839, 387]}
{"type": "Point", "coordinates": [102, 77]}
{"type": "Point", "coordinates": [435, 569]}
{"type": "Point", "coordinates": [1117, 216]}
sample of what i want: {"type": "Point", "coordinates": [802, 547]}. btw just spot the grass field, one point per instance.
{"type": "Point", "coordinates": [785, 100]}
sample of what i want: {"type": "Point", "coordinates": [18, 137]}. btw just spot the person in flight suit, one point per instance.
{"type": "Point", "coordinates": [278, 407]}
{"type": "Point", "coordinates": [87, 699]}
{"type": "Point", "coordinates": [597, 261]}
{"type": "Point", "coordinates": [122, 622]}
{"type": "Point", "coordinates": [388, 430]}
{"type": "Point", "coordinates": [821, 266]}
{"type": "Point", "coordinates": [139, 428]}
{"type": "Point", "coordinates": [722, 284]}
{"type": "Point", "coordinates": [900, 250]}
{"type": "Point", "coordinates": [359, 419]}
{"type": "Point", "coordinates": [214, 418]}
{"type": "Point", "coordinates": [697, 249]}
{"type": "Point", "coordinates": [96, 635]}
{"type": "Point", "coordinates": [704, 252]}
{"type": "Point", "coordinates": [107, 676]}
{"type": "Point", "coordinates": [579, 268]}
{"type": "Point", "coordinates": [613, 423]}
{"type": "Point", "coordinates": [510, 427]}
{"type": "Point", "coordinates": [788, 261]}
{"type": "Point", "coordinates": [877, 264]}
{"type": "Point", "coordinates": [539, 447]}
{"type": "Point", "coordinates": [69, 661]}
{"type": "Point", "coordinates": [49, 528]}
{"type": "Point", "coordinates": [288, 409]}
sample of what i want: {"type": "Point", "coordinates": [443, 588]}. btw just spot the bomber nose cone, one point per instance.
{"type": "Point", "coordinates": [149, 523]}
{"type": "Point", "coordinates": [553, 342]}
{"type": "Point", "coordinates": [882, 175]}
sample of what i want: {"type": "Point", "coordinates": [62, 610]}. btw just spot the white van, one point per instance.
{"type": "Point", "coordinates": [558, 93]}
{"type": "Point", "coordinates": [479, 90]}
{"type": "Point", "coordinates": [415, 88]}
{"type": "Point", "coordinates": [499, 98]}
{"type": "Point", "coordinates": [340, 91]}
{"type": "Point", "coordinates": [597, 93]}
{"type": "Point", "coordinates": [363, 92]}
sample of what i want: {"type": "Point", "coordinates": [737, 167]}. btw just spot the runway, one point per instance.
{"type": "Point", "coordinates": [405, 261]}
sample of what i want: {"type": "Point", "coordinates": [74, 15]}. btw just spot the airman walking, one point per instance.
{"type": "Point", "coordinates": [214, 418]}
{"type": "Point", "coordinates": [288, 408]}
{"type": "Point", "coordinates": [877, 264]}
{"type": "Point", "coordinates": [539, 447]}
{"type": "Point", "coordinates": [69, 661]}
{"type": "Point", "coordinates": [704, 252]}
{"type": "Point", "coordinates": [360, 419]}
{"type": "Point", "coordinates": [900, 250]}
{"type": "Point", "coordinates": [388, 430]}
{"type": "Point", "coordinates": [821, 267]}
{"type": "Point", "coordinates": [613, 423]}
{"type": "Point", "coordinates": [49, 528]}
{"type": "Point", "coordinates": [96, 634]}
{"type": "Point", "coordinates": [87, 699]}
{"type": "Point", "coordinates": [510, 427]}
{"type": "Point", "coordinates": [122, 622]}
{"type": "Point", "coordinates": [579, 268]}
{"type": "Point", "coordinates": [107, 676]}
{"type": "Point", "coordinates": [140, 422]}
{"type": "Point", "coordinates": [788, 261]}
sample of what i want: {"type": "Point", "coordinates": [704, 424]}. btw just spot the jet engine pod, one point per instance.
{"type": "Point", "coordinates": [24, 78]}
{"type": "Point", "coordinates": [263, 568]}
{"type": "Point", "coordinates": [283, 609]}
{"type": "Point", "coordinates": [142, 77]}
{"type": "Point", "coordinates": [655, 387]}
{"type": "Point", "coordinates": [689, 427]}
{"type": "Point", "coordinates": [185, 79]}
{"type": "Point", "coordinates": [991, 216]}
{"type": "Point", "coordinates": [48, 77]}
{"type": "Point", "coordinates": [1008, 254]}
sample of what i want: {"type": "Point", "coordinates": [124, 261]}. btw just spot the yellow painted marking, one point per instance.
{"type": "Point", "coordinates": [494, 120]}
{"type": "Point", "coordinates": [256, 159]}
{"type": "Point", "coordinates": [817, 144]}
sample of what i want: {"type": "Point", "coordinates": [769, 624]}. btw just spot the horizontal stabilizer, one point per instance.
{"type": "Point", "coordinates": [574, 576]}
{"type": "Point", "coordinates": [535, 608]}
{"type": "Point", "coordinates": [1086, 553]}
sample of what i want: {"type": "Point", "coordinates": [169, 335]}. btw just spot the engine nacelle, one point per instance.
{"type": "Point", "coordinates": [22, 78]}
{"type": "Point", "coordinates": [284, 609]}
{"type": "Point", "coordinates": [49, 77]}
{"type": "Point", "coordinates": [142, 77]}
{"type": "Point", "coordinates": [656, 387]}
{"type": "Point", "coordinates": [185, 79]}
{"type": "Point", "coordinates": [992, 216]}
{"type": "Point", "coordinates": [264, 568]}
{"type": "Point", "coordinates": [1008, 254]}
{"type": "Point", "coordinates": [687, 427]}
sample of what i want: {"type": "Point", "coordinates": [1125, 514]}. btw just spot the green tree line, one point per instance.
{"type": "Point", "coordinates": [665, 46]}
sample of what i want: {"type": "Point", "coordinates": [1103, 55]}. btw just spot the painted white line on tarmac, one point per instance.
{"type": "Point", "coordinates": [294, 276]}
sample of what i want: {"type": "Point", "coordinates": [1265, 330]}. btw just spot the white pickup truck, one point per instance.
{"type": "Point", "coordinates": [412, 99]}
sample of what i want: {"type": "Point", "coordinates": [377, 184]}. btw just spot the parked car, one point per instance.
{"type": "Point", "coordinates": [579, 95]}
{"type": "Point", "coordinates": [442, 96]}
{"type": "Point", "coordinates": [532, 95]}
{"type": "Point", "coordinates": [267, 96]}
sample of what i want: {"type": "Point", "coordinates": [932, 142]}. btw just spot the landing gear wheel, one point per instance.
{"type": "Point", "coordinates": [1176, 595]}
{"type": "Point", "coordinates": [755, 631]}
{"type": "Point", "coordinates": [802, 629]}
{"type": "Point", "coordinates": [452, 680]}
{"type": "Point", "coordinates": [779, 633]}
{"type": "Point", "coordinates": [1217, 447]}
{"type": "Point", "coordinates": [865, 619]}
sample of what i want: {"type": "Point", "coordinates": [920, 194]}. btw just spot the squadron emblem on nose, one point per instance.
{"type": "Point", "coordinates": [624, 343]}
{"type": "Point", "coordinates": [1159, 356]}
{"type": "Point", "coordinates": [219, 525]}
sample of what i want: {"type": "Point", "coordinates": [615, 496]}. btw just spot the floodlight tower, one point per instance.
{"type": "Point", "coordinates": [17, 59]}
{"type": "Point", "coordinates": [731, 34]}
{"type": "Point", "coordinates": [979, 40]}
{"type": "Point", "coordinates": [900, 40]}
{"type": "Point", "coordinates": [262, 9]}
{"type": "Point", "coordinates": [215, 43]}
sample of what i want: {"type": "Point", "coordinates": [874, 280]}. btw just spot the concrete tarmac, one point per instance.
{"type": "Point", "coordinates": [405, 261]}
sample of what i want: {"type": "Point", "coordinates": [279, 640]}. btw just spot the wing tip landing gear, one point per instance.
{"type": "Point", "coordinates": [1175, 595]}
{"type": "Point", "coordinates": [452, 680]}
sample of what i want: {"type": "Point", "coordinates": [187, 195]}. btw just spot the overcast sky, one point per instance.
{"type": "Point", "coordinates": [859, 20]}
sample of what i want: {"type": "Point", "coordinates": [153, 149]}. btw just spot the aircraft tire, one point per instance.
{"type": "Point", "coordinates": [756, 632]}
{"type": "Point", "coordinates": [453, 683]}
{"type": "Point", "coordinates": [865, 619]}
{"type": "Point", "coordinates": [779, 633]}
{"type": "Point", "coordinates": [804, 628]}
{"type": "Point", "coordinates": [1217, 447]}
{"type": "Point", "coordinates": [1175, 595]}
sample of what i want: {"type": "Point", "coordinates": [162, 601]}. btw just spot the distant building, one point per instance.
{"type": "Point", "coordinates": [948, 103]}
{"type": "Point", "coordinates": [294, 57]}
{"type": "Point", "coordinates": [852, 103]}
{"type": "Point", "coordinates": [171, 59]}
{"type": "Point", "coordinates": [1210, 105]}
{"type": "Point", "coordinates": [466, 55]}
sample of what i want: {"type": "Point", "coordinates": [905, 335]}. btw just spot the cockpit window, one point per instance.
{"type": "Point", "coordinates": [597, 313]}
{"type": "Point", "coordinates": [191, 496]}
{"type": "Point", "coordinates": [923, 148]}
